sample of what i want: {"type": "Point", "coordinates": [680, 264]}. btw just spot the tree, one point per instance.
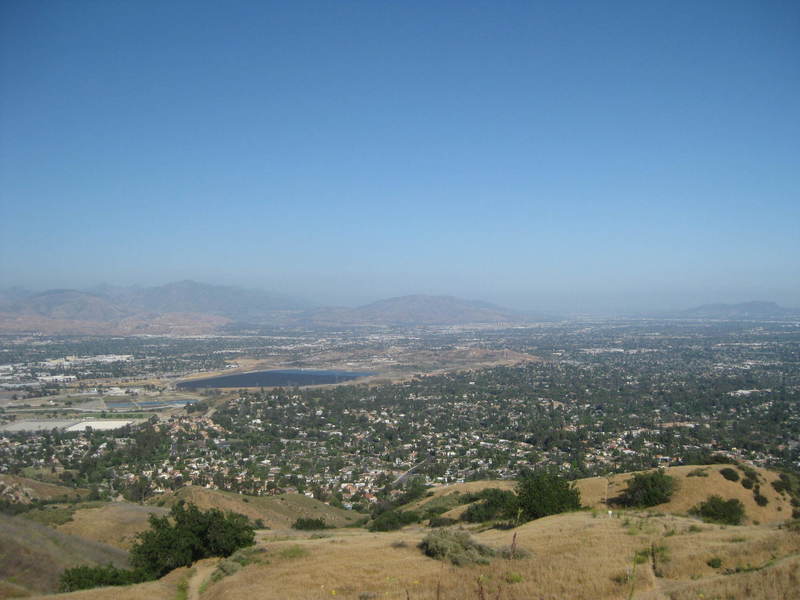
{"type": "Point", "coordinates": [717, 510]}
{"type": "Point", "coordinates": [193, 535]}
{"type": "Point", "coordinates": [544, 493]}
{"type": "Point", "coordinates": [648, 489]}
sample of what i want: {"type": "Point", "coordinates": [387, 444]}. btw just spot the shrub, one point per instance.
{"type": "Point", "coordinates": [648, 489]}
{"type": "Point", "coordinates": [748, 484]}
{"type": "Point", "coordinates": [698, 473]}
{"type": "Point", "coordinates": [86, 577]}
{"type": "Point", "coordinates": [714, 563]}
{"type": "Point", "coordinates": [456, 546]}
{"type": "Point", "coordinates": [441, 522]}
{"type": "Point", "coordinates": [309, 524]}
{"type": "Point", "coordinates": [545, 493]}
{"type": "Point", "coordinates": [717, 510]}
{"type": "Point", "coordinates": [514, 553]}
{"type": "Point", "coordinates": [512, 578]}
{"type": "Point", "coordinates": [494, 504]}
{"type": "Point", "coordinates": [760, 499]}
{"type": "Point", "coordinates": [729, 474]}
{"type": "Point", "coordinates": [393, 519]}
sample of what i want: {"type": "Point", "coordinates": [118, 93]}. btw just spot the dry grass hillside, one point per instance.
{"type": "Point", "coordinates": [23, 489]}
{"type": "Point", "coordinates": [277, 512]}
{"type": "Point", "coordinates": [695, 484]}
{"type": "Point", "coordinates": [659, 554]}
{"type": "Point", "coordinates": [32, 556]}
{"type": "Point", "coordinates": [581, 555]}
{"type": "Point", "coordinates": [113, 523]}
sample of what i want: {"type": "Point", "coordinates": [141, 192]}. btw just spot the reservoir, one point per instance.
{"type": "Point", "coordinates": [278, 377]}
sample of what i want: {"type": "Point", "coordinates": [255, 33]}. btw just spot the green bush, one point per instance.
{"type": "Point", "coordinates": [648, 489]}
{"type": "Point", "coordinates": [86, 577]}
{"type": "Point", "coordinates": [714, 563]}
{"type": "Point", "coordinates": [393, 519]}
{"type": "Point", "coordinates": [717, 510]}
{"type": "Point", "coordinates": [309, 524]}
{"type": "Point", "coordinates": [455, 546]}
{"type": "Point", "coordinates": [748, 484]}
{"type": "Point", "coordinates": [729, 474]}
{"type": "Point", "coordinates": [544, 493]}
{"type": "Point", "coordinates": [494, 504]}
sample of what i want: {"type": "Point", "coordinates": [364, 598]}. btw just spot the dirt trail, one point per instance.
{"type": "Point", "coordinates": [202, 571]}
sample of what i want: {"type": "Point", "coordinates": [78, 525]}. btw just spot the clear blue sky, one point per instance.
{"type": "Point", "coordinates": [539, 155]}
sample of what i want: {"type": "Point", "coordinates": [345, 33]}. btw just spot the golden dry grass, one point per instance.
{"type": "Point", "coordinates": [42, 490]}
{"type": "Point", "coordinates": [693, 490]}
{"type": "Point", "coordinates": [277, 512]}
{"type": "Point", "coordinates": [580, 555]}
{"type": "Point", "coordinates": [573, 556]}
{"type": "Point", "coordinates": [114, 523]}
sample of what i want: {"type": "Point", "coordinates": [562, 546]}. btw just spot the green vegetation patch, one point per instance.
{"type": "Point", "coordinates": [648, 489]}
{"type": "Point", "coordinates": [457, 547]}
{"type": "Point", "coordinates": [187, 535]}
{"type": "Point", "coordinates": [717, 510]}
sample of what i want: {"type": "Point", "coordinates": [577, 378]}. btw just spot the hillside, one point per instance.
{"type": "Point", "coordinates": [679, 557]}
{"type": "Point", "coordinates": [189, 307]}
{"type": "Point", "coordinates": [112, 523]}
{"type": "Point", "coordinates": [32, 556]}
{"type": "Point", "coordinates": [692, 489]}
{"type": "Point", "coordinates": [742, 311]}
{"type": "Point", "coordinates": [416, 310]}
{"type": "Point", "coordinates": [277, 512]}
{"type": "Point", "coordinates": [24, 490]}
{"type": "Point", "coordinates": [575, 555]}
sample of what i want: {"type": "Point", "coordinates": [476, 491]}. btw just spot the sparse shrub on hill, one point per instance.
{"type": "Point", "coordinates": [648, 489]}
{"type": "Point", "coordinates": [393, 519]}
{"type": "Point", "coordinates": [456, 546]}
{"type": "Point", "coordinates": [717, 510]}
{"type": "Point", "coordinates": [309, 524]}
{"type": "Point", "coordinates": [85, 577]}
{"type": "Point", "coordinates": [729, 474]}
{"type": "Point", "coordinates": [493, 504]}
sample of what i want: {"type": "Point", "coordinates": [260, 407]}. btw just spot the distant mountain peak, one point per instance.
{"type": "Point", "coordinates": [755, 309]}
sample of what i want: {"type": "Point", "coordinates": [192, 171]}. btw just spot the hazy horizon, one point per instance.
{"type": "Point", "coordinates": [575, 157]}
{"type": "Point", "coordinates": [547, 303]}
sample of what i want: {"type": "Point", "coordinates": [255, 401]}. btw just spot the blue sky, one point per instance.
{"type": "Point", "coordinates": [540, 155]}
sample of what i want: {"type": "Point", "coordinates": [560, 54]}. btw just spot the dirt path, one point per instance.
{"type": "Point", "coordinates": [202, 571]}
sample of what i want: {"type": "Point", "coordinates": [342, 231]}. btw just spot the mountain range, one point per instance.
{"type": "Point", "coordinates": [191, 308]}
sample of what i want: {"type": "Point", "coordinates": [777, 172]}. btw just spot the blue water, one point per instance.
{"type": "Point", "coordinates": [279, 377]}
